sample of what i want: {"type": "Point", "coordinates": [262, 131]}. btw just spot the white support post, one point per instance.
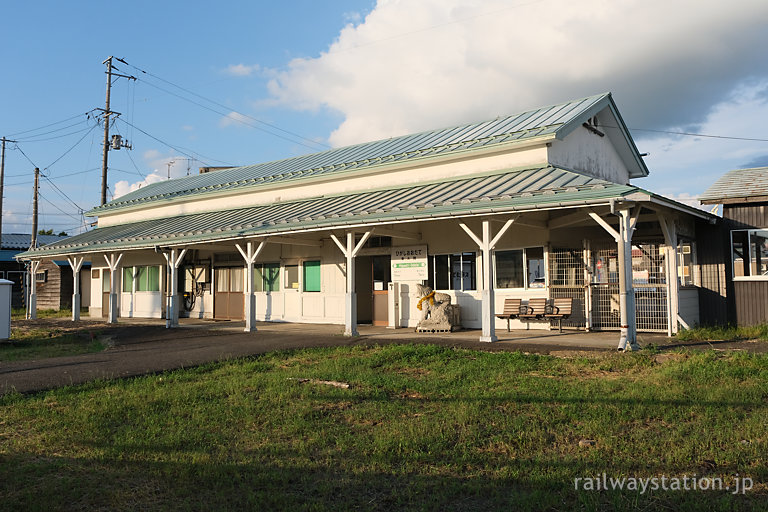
{"type": "Point", "coordinates": [250, 255]}
{"type": "Point", "coordinates": [350, 250]}
{"type": "Point", "coordinates": [673, 280]}
{"type": "Point", "coordinates": [623, 239]}
{"type": "Point", "coordinates": [587, 285]}
{"type": "Point", "coordinates": [486, 244]}
{"type": "Point", "coordinates": [173, 258]}
{"type": "Point", "coordinates": [34, 265]}
{"type": "Point", "coordinates": [76, 262]}
{"type": "Point", "coordinates": [113, 262]}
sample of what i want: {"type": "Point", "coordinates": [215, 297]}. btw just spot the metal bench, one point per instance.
{"type": "Point", "coordinates": [559, 309]}
{"type": "Point", "coordinates": [512, 309]}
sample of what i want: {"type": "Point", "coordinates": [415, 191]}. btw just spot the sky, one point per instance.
{"type": "Point", "coordinates": [239, 83]}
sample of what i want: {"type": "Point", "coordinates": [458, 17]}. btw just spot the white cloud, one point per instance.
{"type": "Point", "coordinates": [689, 165]}
{"type": "Point", "coordinates": [235, 118]}
{"type": "Point", "coordinates": [175, 165]}
{"type": "Point", "coordinates": [242, 69]}
{"type": "Point", "coordinates": [411, 66]}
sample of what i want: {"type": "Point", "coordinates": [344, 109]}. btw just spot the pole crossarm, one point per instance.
{"type": "Point", "coordinates": [112, 262]}
{"type": "Point", "coordinates": [76, 262]}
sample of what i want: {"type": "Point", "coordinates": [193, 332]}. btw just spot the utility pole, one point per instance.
{"type": "Point", "coordinates": [2, 178]}
{"type": "Point", "coordinates": [33, 240]}
{"type": "Point", "coordinates": [107, 114]}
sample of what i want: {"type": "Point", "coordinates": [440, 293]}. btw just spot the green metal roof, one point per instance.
{"type": "Point", "coordinates": [738, 186]}
{"type": "Point", "coordinates": [508, 190]}
{"type": "Point", "coordinates": [555, 120]}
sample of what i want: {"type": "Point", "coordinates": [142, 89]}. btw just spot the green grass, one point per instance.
{"type": "Point", "coordinates": [726, 333]}
{"type": "Point", "coordinates": [20, 313]}
{"type": "Point", "coordinates": [421, 428]}
{"type": "Point", "coordinates": [40, 343]}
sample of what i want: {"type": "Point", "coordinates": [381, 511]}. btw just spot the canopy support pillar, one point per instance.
{"type": "Point", "coordinates": [113, 263]}
{"type": "Point", "coordinates": [76, 262]}
{"type": "Point", "coordinates": [250, 255]}
{"type": "Point", "coordinates": [486, 244]}
{"type": "Point", "coordinates": [350, 250]}
{"type": "Point", "coordinates": [173, 258]}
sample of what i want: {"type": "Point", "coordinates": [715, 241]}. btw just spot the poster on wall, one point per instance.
{"type": "Point", "coordinates": [409, 263]}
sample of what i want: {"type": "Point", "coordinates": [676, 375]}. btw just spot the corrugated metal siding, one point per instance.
{"type": "Point", "coordinates": [745, 216]}
{"type": "Point", "coordinates": [504, 191]}
{"type": "Point", "coordinates": [535, 123]}
{"type": "Point", "coordinates": [751, 299]}
{"type": "Point", "coordinates": [711, 256]}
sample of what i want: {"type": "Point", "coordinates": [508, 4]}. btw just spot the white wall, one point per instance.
{"type": "Point", "coordinates": [590, 154]}
{"type": "Point", "coordinates": [367, 179]}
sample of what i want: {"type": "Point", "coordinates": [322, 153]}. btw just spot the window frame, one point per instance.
{"type": "Point", "coordinates": [432, 263]}
{"type": "Point", "coordinates": [747, 265]}
{"type": "Point", "coordinates": [526, 277]}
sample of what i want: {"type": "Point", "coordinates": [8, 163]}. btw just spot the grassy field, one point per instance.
{"type": "Point", "coordinates": [730, 333]}
{"type": "Point", "coordinates": [38, 339]}
{"type": "Point", "coordinates": [420, 428]}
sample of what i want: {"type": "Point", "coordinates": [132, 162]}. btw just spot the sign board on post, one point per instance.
{"type": "Point", "coordinates": [409, 263]}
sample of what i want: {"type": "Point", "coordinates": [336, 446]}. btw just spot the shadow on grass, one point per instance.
{"type": "Point", "coordinates": [30, 482]}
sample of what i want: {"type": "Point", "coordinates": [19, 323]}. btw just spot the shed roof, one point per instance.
{"type": "Point", "coordinates": [22, 241]}
{"type": "Point", "coordinates": [739, 186]}
{"type": "Point", "coordinates": [553, 121]}
{"type": "Point", "coordinates": [509, 190]}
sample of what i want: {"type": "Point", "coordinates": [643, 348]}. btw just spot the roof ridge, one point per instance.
{"type": "Point", "coordinates": [435, 141]}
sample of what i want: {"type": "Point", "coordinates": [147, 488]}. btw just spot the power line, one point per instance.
{"type": "Point", "coordinates": [61, 193]}
{"type": "Point", "coordinates": [26, 141]}
{"type": "Point", "coordinates": [161, 141]}
{"type": "Point", "coordinates": [51, 124]}
{"type": "Point", "coordinates": [56, 206]}
{"type": "Point", "coordinates": [690, 134]}
{"type": "Point", "coordinates": [274, 127]}
{"type": "Point", "coordinates": [52, 131]}
{"type": "Point", "coordinates": [25, 155]}
{"type": "Point", "coordinates": [71, 148]}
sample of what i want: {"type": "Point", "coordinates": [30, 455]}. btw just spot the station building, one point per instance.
{"type": "Point", "coordinates": [537, 204]}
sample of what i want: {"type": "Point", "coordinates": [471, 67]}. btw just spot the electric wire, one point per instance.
{"type": "Point", "coordinates": [314, 143]}
{"type": "Point", "coordinates": [51, 124]}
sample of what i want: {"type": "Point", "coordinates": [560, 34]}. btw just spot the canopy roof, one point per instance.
{"type": "Point", "coordinates": [510, 190]}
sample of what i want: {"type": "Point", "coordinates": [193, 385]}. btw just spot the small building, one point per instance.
{"type": "Point", "coordinates": [538, 204]}
{"type": "Point", "coordinates": [14, 270]}
{"type": "Point", "coordinates": [744, 238]}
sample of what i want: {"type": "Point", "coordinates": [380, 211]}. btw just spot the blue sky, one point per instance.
{"type": "Point", "coordinates": [277, 79]}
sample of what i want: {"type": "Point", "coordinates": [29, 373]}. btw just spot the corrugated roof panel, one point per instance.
{"type": "Point", "coordinates": [407, 202]}
{"type": "Point", "coordinates": [738, 184]}
{"type": "Point", "coordinates": [516, 127]}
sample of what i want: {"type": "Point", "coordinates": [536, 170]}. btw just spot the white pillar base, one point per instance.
{"type": "Point", "coordinates": [112, 319]}
{"type": "Point", "coordinates": [75, 307]}
{"type": "Point", "coordinates": [172, 315]}
{"type": "Point", "coordinates": [350, 315]}
{"type": "Point", "coordinates": [32, 307]}
{"type": "Point", "coordinates": [250, 313]}
{"type": "Point", "coordinates": [489, 329]}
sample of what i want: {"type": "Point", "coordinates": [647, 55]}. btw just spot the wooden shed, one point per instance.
{"type": "Point", "coordinates": [744, 238]}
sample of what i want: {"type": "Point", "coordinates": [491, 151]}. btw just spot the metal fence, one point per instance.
{"type": "Point", "coordinates": [649, 282]}
{"type": "Point", "coordinates": [567, 268]}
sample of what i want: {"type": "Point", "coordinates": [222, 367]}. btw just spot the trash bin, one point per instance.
{"type": "Point", "coordinates": [5, 308]}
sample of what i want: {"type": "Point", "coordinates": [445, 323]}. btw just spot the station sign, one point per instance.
{"type": "Point", "coordinates": [409, 263]}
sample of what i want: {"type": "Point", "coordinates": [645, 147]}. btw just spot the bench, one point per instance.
{"type": "Point", "coordinates": [535, 310]}
{"type": "Point", "coordinates": [512, 309]}
{"type": "Point", "coordinates": [559, 309]}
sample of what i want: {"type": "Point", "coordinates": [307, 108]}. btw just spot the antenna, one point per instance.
{"type": "Point", "coordinates": [169, 164]}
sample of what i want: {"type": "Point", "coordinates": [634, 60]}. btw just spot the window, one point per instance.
{"type": "Point", "coordinates": [312, 276]}
{"type": "Point", "coordinates": [512, 266]}
{"type": "Point", "coordinates": [266, 277]}
{"type": "Point", "coordinates": [127, 279]}
{"type": "Point", "coordinates": [41, 277]}
{"type": "Point", "coordinates": [453, 271]}
{"type": "Point", "coordinates": [291, 277]}
{"type": "Point", "coordinates": [147, 279]}
{"type": "Point", "coordinates": [749, 253]}
{"type": "Point", "coordinates": [685, 257]}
